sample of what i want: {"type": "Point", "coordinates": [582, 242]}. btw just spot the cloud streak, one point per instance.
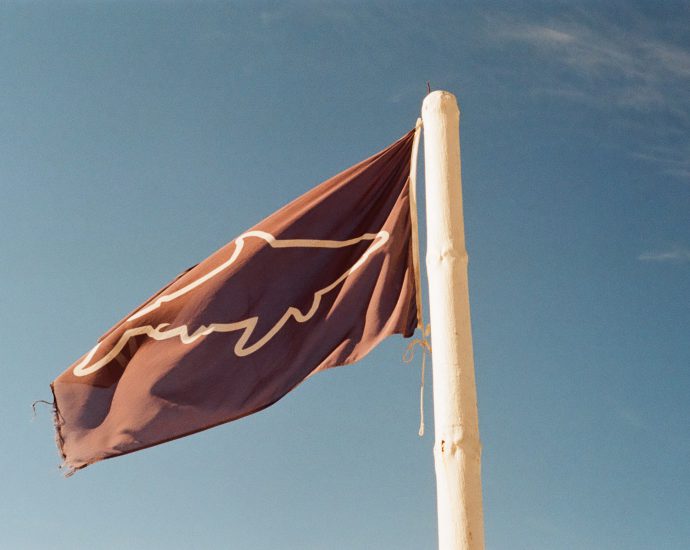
{"type": "Point", "coordinates": [640, 73]}
{"type": "Point", "coordinates": [676, 254]}
{"type": "Point", "coordinates": [597, 62]}
{"type": "Point", "coordinates": [673, 162]}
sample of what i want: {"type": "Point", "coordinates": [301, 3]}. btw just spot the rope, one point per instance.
{"type": "Point", "coordinates": [423, 342]}
{"type": "Point", "coordinates": [408, 357]}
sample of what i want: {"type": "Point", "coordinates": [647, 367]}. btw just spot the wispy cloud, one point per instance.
{"type": "Point", "coordinates": [683, 173]}
{"type": "Point", "coordinates": [615, 68]}
{"type": "Point", "coordinates": [673, 162]}
{"type": "Point", "coordinates": [639, 72]}
{"type": "Point", "coordinates": [676, 254]}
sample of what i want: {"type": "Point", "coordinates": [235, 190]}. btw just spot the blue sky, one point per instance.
{"type": "Point", "coordinates": [138, 137]}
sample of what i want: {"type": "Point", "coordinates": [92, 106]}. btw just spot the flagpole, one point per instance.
{"type": "Point", "coordinates": [457, 448]}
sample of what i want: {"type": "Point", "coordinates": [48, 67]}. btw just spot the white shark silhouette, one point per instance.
{"type": "Point", "coordinates": [83, 368]}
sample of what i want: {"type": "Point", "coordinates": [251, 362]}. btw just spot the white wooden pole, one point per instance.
{"type": "Point", "coordinates": [457, 449]}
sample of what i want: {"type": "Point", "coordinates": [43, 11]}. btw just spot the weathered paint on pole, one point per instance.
{"type": "Point", "coordinates": [457, 448]}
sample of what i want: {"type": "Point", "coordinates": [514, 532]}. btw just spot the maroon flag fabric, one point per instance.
{"type": "Point", "coordinates": [317, 284]}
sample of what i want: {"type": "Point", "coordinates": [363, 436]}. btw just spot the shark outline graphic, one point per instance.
{"type": "Point", "coordinates": [247, 325]}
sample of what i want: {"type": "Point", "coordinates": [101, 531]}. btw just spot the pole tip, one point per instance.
{"type": "Point", "coordinates": [440, 100]}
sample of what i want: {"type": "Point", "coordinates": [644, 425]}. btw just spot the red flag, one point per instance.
{"type": "Point", "coordinates": [315, 285]}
